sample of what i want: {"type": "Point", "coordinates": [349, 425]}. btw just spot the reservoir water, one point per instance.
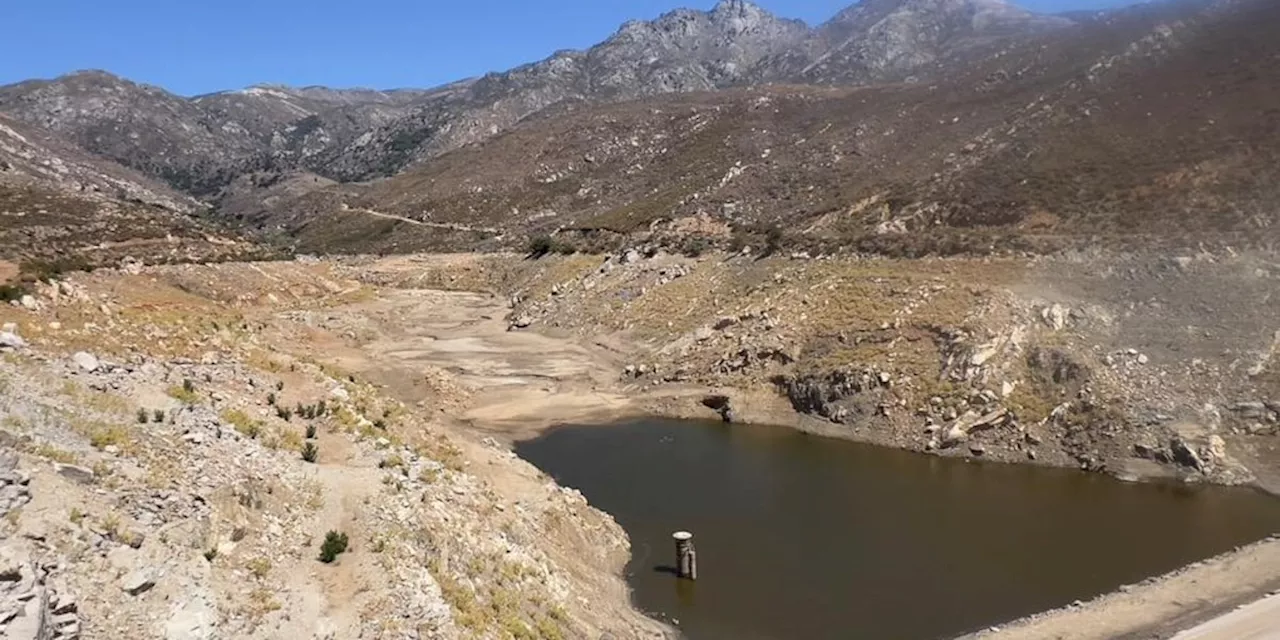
{"type": "Point", "coordinates": [802, 537]}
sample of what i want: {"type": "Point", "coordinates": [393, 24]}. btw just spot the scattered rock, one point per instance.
{"type": "Point", "coordinates": [1186, 456]}
{"type": "Point", "coordinates": [1055, 317]}
{"type": "Point", "coordinates": [86, 361]}
{"type": "Point", "coordinates": [521, 321]}
{"type": "Point", "coordinates": [138, 581]}
{"type": "Point", "coordinates": [74, 473]}
{"type": "Point", "coordinates": [193, 619]}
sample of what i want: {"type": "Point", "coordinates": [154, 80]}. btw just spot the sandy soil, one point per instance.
{"type": "Point", "coordinates": [516, 383]}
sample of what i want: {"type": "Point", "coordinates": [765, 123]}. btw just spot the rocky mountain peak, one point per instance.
{"type": "Point", "coordinates": [202, 144]}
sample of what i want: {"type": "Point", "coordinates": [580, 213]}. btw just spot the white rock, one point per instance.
{"type": "Point", "coordinates": [193, 619]}
{"type": "Point", "coordinates": [11, 340]}
{"type": "Point", "coordinates": [338, 393]}
{"type": "Point", "coordinates": [86, 361]}
{"type": "Point", "coordinates": [1143, 359]}
{"type": "Point", "coordinates": [138, 581]}
{"type": "Point", "coordinates": [29, 303]}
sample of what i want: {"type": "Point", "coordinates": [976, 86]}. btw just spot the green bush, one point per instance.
{"type": "Point", "coordinates": [540, 246]}
{"type": "Point", "coordinates": [143, 416]}
{"type": "Point", "coordinates": [334, 545]}
{"type": "Point", "coordinates": [10, 292]}
{"type": "Point", "coordinates": [311, 432]}
{"type": "Point", "coordinates": [310, 452]}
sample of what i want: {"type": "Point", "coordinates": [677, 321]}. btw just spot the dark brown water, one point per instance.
{"type": "Point", "coordinates": [805, 537]}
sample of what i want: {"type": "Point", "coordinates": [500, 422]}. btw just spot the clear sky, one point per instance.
{"type": "Point", "coordinates": [199, 46]}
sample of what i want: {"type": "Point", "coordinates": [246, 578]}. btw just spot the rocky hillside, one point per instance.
{"type": "Point", "coordinates": [202, 144]}
{"type": "Point", "coordinates": [880, 40]}
{"type": "Point", "coordinates": [60, 204]}
{"type": "Point", "coordinates": [735, 43]}
{"type": "Point", "coordinates": [1147, 126]}
{"type": "Point", "coordinates": [175, 464]}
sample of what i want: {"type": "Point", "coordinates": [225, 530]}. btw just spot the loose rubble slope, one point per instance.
{"type": "Point", "coordinates": [153, 430]}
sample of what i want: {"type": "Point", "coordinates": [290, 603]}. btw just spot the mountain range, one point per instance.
{"type": "Point", "coordinates": [895, 121]}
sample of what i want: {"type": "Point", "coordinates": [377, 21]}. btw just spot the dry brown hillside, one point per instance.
{"type": "Point", "coordinates": [1148, 125]}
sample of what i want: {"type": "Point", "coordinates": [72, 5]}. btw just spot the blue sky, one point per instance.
{"type": "Point", "coordinates": [199, 46]}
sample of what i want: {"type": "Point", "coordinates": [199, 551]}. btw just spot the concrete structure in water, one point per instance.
{"type": "Point", "coordinates": [686, 556]}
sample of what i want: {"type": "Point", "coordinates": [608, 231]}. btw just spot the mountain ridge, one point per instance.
{"type": "Point", "coordinates": [202, 143]}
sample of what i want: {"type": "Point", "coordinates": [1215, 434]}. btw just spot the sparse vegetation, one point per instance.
{"type": "Point", "coordinates": [242, 423]}
{"type": "Point", "coordinates": [211, 553]}
{"type": "Point", "coordinates": [543, 245]}
{"type": "Point", "coordinates": [259, 567]}
{"type": "Point", "coordinates": [12, 292]}
{"type": "Point", "coordinates": [108, 436]}
{"type": "Point", "coordinates": [159, 416]}
{"type": "Point", "coordinates": [311, 432]}
{"type": "Point", "coordinates": [143, 416]}
{"type": "Point", "coordinates": [334, 545]}
{"type": "Point", "coordinates": [261, 602]}
{"type": "Point", "coordinates": [310, 452]}
{"type": "Point", "coordinates": [185, 394]}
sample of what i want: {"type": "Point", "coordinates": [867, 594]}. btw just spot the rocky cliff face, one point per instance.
{"type": "Point", "coordinates": [879, 40]}
{"type": "Point", "coordinates": [681, 51]}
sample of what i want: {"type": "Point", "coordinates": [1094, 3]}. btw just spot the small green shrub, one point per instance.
{"type": "Point", "coordinates": [311, 432]}
{"type": "Point", "coordinates": [143, 416]}
{"type": "Point", "coordinates": [540, 246]}
{"type": "Point", "coordinates": [271, 399]}
{"type": "Point", "coordinates": [158, 417]}
{"type": "Point", "coordinates": [185, 394]}
{"type": "Point", "coordinates": [335, 544]}
{"type": "Point", "coordinates": [11, 292]}
{"type": "Point", "coordinates": [310, 452]}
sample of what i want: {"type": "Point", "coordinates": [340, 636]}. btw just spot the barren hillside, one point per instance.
{"type": "Point", "coordinates": [1149, 127]}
